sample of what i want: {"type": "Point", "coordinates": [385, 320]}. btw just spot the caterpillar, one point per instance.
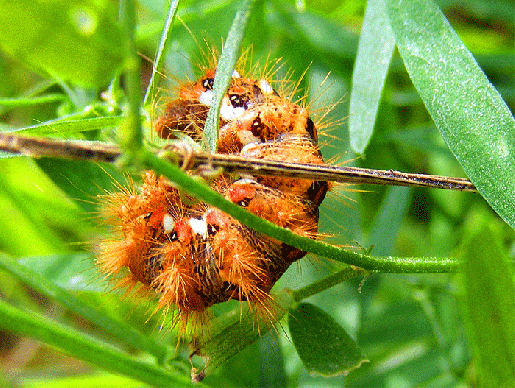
{"type": "Point", "coordinates": [194, 255]}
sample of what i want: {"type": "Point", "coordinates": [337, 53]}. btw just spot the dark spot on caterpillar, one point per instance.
{"type": "Point", "coordinates": [310, 129]}
{"type": "Point", "coordinates": [153, 267]}
{"type": "Point", "coordinates": [173, 236]}
{"type": "Point", "coordinates": [212, 229]}
{"type": "Point", "coordinates": [238, 101]}
{"type": "Point", "coordinates": [317, 191]}
{"type": "Point", "coordinates": [244, 202]}
{"type": "Point", "coordinates": [208, 83]}
{"type": "Point", "coordinates": [257, 91]}
{"type": "Point", "coordinates": [257, 127]}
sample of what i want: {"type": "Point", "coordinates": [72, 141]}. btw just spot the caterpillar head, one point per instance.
{"type": "Point", "coordinates": [188, 112]}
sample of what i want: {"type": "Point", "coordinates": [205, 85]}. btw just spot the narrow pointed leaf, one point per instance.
{"type": "Point", "coordinates": [118, 329]}
{"type": "Point", "coordinates": [67, 127]}
{"type": "Point", "coordinates": [85, 347]}
{"type": "Point", "coordinates": [163, 46]}
{"type": "Point", "coordinates": [470, 114]}
{"type": "Point", "coordinates": [225, 66]}
{"type": "Point", "coordinates": [375, 50]}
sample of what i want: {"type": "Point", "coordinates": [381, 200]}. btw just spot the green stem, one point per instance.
{"type": "Point", "coordinates": [384, 264]}
{"type": "Point", "coordinates": [85, 347]}
{"type": "Point", "coordinates": [163, 45]}
{"type": "Point", "coordinates": [327, 282]}
{"type": "Point", "coordinates": [29, 101]}
{"type": "Point", "coordinates": [119, 329]}
{"type": "Point", "coordinates": [132, 138]}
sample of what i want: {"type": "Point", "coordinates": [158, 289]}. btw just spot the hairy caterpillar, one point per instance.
{"type": "Point", "coordinates": [195, 256]}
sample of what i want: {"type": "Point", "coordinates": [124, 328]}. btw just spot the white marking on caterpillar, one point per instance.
{"type": "Point", "coordinates": [206, 97]}
{"type": "Point", "coordinates": [250, 149]}
{"type": "Point", "coordinates": [245, 181]}
{"type": "Point", "coordinates": [199, 226]}
{"type": "Point", "coordinates": [168, 223]}
{"type": "Point", "coordinates": [265, 87]}
{"type": "Point", "coordinates": [247, 137]}
{"type": "Point", "coordinates": [228, 112]}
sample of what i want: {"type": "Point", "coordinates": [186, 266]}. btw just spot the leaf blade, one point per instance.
{"type": "Point", "coordinates": [163, 46]}
{"type": "Point", "coordinates": [85, 347]}
{"type": "Point", "coordinates": [470, 114]}
{"type": "Point", "coordinates": [323, 345]}
{"type": "Point", "coordinates": [370, 70]}
{"type": "Point", "coordinates": [224, 69]}
{"type": "Point", "coordinates": [117, 328]}
{"type": "Point", "coordinates": [490, 302]}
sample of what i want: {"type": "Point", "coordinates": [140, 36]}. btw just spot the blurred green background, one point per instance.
{"type": "Point", "coordinates": [411, 327]}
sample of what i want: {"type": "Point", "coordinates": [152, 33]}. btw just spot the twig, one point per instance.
{"type": "Point", "coordinates": [103, 152]}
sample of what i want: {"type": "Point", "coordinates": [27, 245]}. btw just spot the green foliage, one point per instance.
{"type": "Point", "coordinates": [226, 63]}
{"type": "Point", "coordinates": [370, 70]}
{"type": "Point", "coordinates": [470, 114]}
{"type": "Point", "coordinates": [409, 325]}
{"type": "Point", "coordinates": [323, 345]}
{"type": "Point", "coordinates": [42, 33]}
{"type": "Point", "coordinates": [490, 302]}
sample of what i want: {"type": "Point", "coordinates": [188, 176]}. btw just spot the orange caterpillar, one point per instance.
{"type": "Point", "coordinates": [195, 256]}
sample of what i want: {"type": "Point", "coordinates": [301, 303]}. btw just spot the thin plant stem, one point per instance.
{"type": "Point", "coordinates": [327, 282]}
{"type": "Point", "coordinates": [131, 138]}
{"type": "Point", "coordinates": [380, 263]}
{"type": "Point", "coordinates": [205, 193]}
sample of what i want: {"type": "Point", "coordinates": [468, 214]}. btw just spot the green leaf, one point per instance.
{"type": "Point", "coordinates": [470, 114]}
{"type": "Point", "coordinates": [58, 267]}
{"type": "Point", "coordinates": [238, 329]}
{"type": "Point", "coordinates": [25, 219]}
{"type": "Point", "coordinates": [388, 219]}
{"type": "Point", "coordinates": [66, 127]}
{"type": "Point", "coordinates": [82, 381]}
{"type": "Point", "coordinates": [86, 348]}
{"type": "Point", "coordinates": [490, 302]}
{"type": "Point", "coordinates": [224, 69]}
{"type": "Point", "coordinates": [163, 46]}
{"type": "Point", "coordinates": [375, 51]}
{"type": "Point", "coordinates": [67, 271]}
{"type": "Point", "coordinates": [76, 40]}
{"type": "Point", "coordinates": [273, 373]}
{"type": "Point", "coordinates": [323, 345]}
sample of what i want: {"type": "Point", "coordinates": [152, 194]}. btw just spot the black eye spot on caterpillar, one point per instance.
{"type": "Point", "coordinates": [238, 101]}
{"type": "Point", "coordinates": [208, 83]}
{"type": "Point", "coordinates": [310, 129]}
